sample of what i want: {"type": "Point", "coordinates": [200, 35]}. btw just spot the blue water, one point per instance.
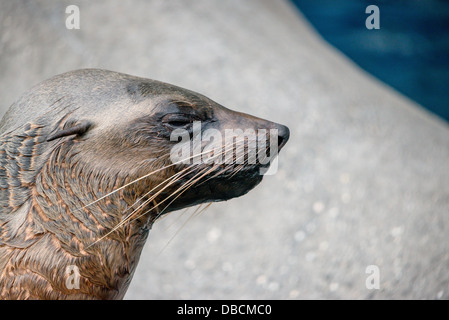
{"type": "Point", "coordinates": [410, 51]}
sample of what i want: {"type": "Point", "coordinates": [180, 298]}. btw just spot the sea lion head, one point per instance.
{"type": "Point", "coordinates": [147, 127]}
{"type": "Point", "coordinates": [91, 158]}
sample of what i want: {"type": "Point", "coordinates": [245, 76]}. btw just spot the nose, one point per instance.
{"type": "Point", "coordinates": [283, 135]}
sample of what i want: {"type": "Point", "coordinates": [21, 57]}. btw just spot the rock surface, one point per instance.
{"type": "Point", "coordinates": [363, 181]}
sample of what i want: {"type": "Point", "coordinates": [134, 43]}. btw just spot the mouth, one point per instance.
{"type": "Point", "coordinates": [215, 186]}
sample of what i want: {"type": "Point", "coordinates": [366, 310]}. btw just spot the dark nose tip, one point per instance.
{"type": "Point", "coordinates": [283, 135]}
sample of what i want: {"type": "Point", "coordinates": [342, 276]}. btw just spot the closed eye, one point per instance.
{"type": "Point", "coordinates": [176, 120]}
{"type": "Point", "coordinates": [177, 123]}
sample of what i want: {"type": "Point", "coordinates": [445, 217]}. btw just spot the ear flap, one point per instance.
{"type": "Point", "coordinates": [78, 129]}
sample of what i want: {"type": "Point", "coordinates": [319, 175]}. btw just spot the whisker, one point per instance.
{"type": "Point", "coordinates": [143, 177]}
{"type": "Point", "coordinates": [184, 186]}
{"type": "Point", "coordinates": [179, 189]}
{"type": "Point", "coordinates": [172, 178]}
{"type": "Point", "coordinates": [169, 181]}
{"type": "Point", "coordinates": [181, 214]}
{"type": "Point", "coordinates": [177, 232]}
{"type": "Point", "coordinates": [128, 217]}
{"type": "Point", "coordinates": [198, 212]}
{"type": "Point", "coordinates": [220, 172]}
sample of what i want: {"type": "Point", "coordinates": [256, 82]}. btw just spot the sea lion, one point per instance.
{"type": "Point", "coordinates": [85, 170]}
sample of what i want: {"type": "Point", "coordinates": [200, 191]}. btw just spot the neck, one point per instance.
{"type": "Point", "coordinates": [59, 244]}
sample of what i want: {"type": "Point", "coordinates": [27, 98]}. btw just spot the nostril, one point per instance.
{"type": "Point", "coordinates": [283, 135]}
{"type": "Point", "coordinates": [280, 141]}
